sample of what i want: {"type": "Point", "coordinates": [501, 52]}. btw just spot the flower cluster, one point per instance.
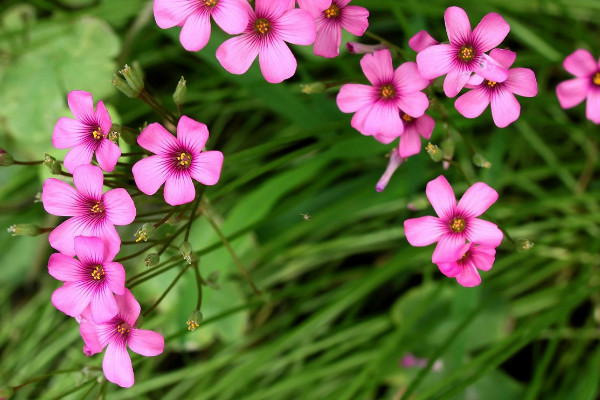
{"type": "Point", "coordinates": [263, 31]}
{"type": "Point", "coordinates": [93, 289]}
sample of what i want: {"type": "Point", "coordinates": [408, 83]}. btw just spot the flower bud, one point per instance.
{"type": "Point", "coordinates": [151, 259]}
{"type": "Point", "coordinates": [52, 164]}
{"type": "Point", "coordinates": [180, 95]}
{"type": "Point", "coordinates": [435, 152]}
{"type": "Point", "coordinates": [359, 48]}
{"type": "Point", "coordinates": [194, 321]}
{"type": "Point", "coordinates": [213, 279]}
{"type": "Point", "coordinates": [144, 232]}
{"type": "Point", "coordinates": [524, 245]}
{"type": "Point", "coordinates": [38, 197]}
{"type": "Point", "coordinates": [134, 78]}
{"type": "Point", "coordinates": [313, 88]}
{"type": "Point", "coordinates": [114, 135]}
{"type": "Point", "coordinates": [24, 230]}
{"type": "Point", "coordinates": [481, 162]}
{"type": "Point", "coordinates": [393, 164]}
{"type": "Point", "coordinates": [123, 86]}
{"type": "Point", "coordinates": [5, 158]}
{"type": "Point", "coordinates": [186, 251]}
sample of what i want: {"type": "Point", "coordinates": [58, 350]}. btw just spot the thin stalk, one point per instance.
{"type": "Point", "coordinates": [199, 285]}
{"type": "Point", "coordinates": [162, 296]}
{"type": "Point", "coordinates": [15, 162]}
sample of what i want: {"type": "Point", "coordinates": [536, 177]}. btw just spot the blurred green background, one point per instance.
{"type": "Point", "coordinates": [345, 296]}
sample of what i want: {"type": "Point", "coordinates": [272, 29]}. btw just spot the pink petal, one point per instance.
{"type": "Point", "coordinates": [313, 5]}
{"type": "Point", "coordinates": [592, 109]}
{"type": "Point", "coordinates": [232, 15]}
{"type": "Point", "coordinates": [107, 155]}
{"type": "Point", "coordinates": [476, 200]}
{"type": "Point", "coordinates": [88, 180]}
{"type": "Point", "coordinates": [102, 118]}
{"type": "Point", "coordinates": [117, 365]}
{"type": "Point", "coordinates": [448, 249]}
{"type": "Point", "coordinates": [455, 81]}
{"type": "Point", "coordinates": [359, 48]}
{"type": "Point", "coordinates": [490, 32]}
{"type": "Point", "coordinates": [386, 139]}
{"type": "Point", "coordinates": [423, 231]}
{"type": "Point", "coordinates": [474, 81]}
{"type": "Point", "coordinates": [192, 134]}
{"type": "Point", "coordinates": [505, 108]}
{"type": "Point", "coordinates": [277, 62]}
{"type": "Point", "coordinates": [421, 40]}
{"type": "Point", "coordinates": [441, 196]}
{"type": "Point", "coordinates": [483, 257]}
{"type": "Point", "coordinates": [458, 25]}
{"type": "Point", "coordinates": [381, 118]}
{"type": "Point", "coordinates": [64, 268]}
{"type": "Point", "coordinates": [271, 8]}
{"type": "Point", "coordinates": [355, 20]}
{"type": "Point", "coordinates": [328, 41]}
{"type": "Point", "coordinates": [483, 232]}
{"type": "Point", "coordinates": [169, 13]}
{"type": "Point", "coordinates": [206, 167]}
{"type": "Point", "coordinates": [196, 31]}
{"type": "Point", "coordinates": [179, 189]}
{"type": "Point", "coordinates": [115, 277]}
{"type": "Point", "coordinates": [450, 269]}
{"type": "Point", "coordinates": [72, 298]}
{"type": "Point", "coordinates": [103, 305]}
{"type": "Point", "coordinates": [119, 207]}
{"type": "Point", "coordinates": [393, 164]}
{"type": "Point", "coordinates": [78, 155]}
{"type": "Point", "coordinates": [61, 238]}
{"type": "Point", "coordinates": [473, 103]}
{"type": "Point", "coordinates": [425, 126]}
{"type": "Point", "coordinates": [410, 142]}
{"type": "Point", "coordinates": [504, 57]}
{"type": "Point", "coordinates": [414, 104]}
{"type": "Point", "coordinates": [297, 26]}
{"type": "Point", "coordinates": [521, 81]}
{"type": "Point", "coordinates": [490, 69]}
{"type": "Point", "coordinates": [69, 133]}
{"type": "Point", "coordinates": [468, 275]}
{"type": "Point", "coordinates": [82, 105]}
{"type": "Point", "coordinates": [378, 67]}
{"type": "Point", "coordinates": [107, 232]}
{"type": "Point", "coordinates": [150, 173]}
{"type": "Point", "coordinates": [408, 79]}
{"type": "Point", "coordinates": [580, 63]}
{"type": "Point", "coordinates": [89, 249]}
{"type": "Point", "coordinates": [89, 335]}
{"type": "Point", "coordinates": [129, 308]}
{"type": "Point", "coordinates": [147, 343]}
{"type": "Point", "coordinates": [436, 60]}
{"type": "Point", "coordinates": [237, 54]}
{"type": "Point", "coordinates": [572, 92]}
{"type": "Point", "coordinates": [353, 97]}
{"type": "Point", "coordinates": [60, 198]}
{"type": "Point", "coordinates": [157, 139]}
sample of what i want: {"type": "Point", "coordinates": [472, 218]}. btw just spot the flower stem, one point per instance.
{"type": "Point", "coordinates": [387, 43]}
{"type": "Point", "coordinates": [15, 162]}
{"type": "Point", "coordinates": [162, 296]}
{"type": "Point", "coordinates": [199, 285]}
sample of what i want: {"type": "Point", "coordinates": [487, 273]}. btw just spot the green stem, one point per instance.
{"type": "Point", "coordinates": [28, 162]}
{"type": "Point", "coordinates": [166, 291]}
{"type": "Point", "coordinates": [44, 377]}
{"type": "Point", "coordinates": [387, 43]}
{"type": "Point", "coordinates": [199, 285]}
{"type": "Point", "coordinates": [194, 211]}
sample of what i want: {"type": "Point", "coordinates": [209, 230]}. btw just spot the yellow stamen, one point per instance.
{"type": "Point", "coordinates": [491, 83]}
{"type": "Point", "coordinates": [123, 328]}
{"type": "Point", "coordinates": [192, 325]}
{"type": "Point", "coordinates": [458, 225]}
{"type": "Point", "coordinates": [333, 11]}
{"type": "Point", "coordinates": [97, 134]}
{"type": "Point", "coordinates": [262, 26]}
{"type": "Point", "coordinates": [388, 91]}
{"type": "Point", "coordinates": [211, 3]}
{"type": "Point", "coordinates": [184, 159]}
{"type": "Point", "coordinates": [98, 273]}
{"type": "Point", "coordinates": [98, 208]}
{"type": "Point", "coordinates": [466, 53]}
{"type": "Point", "coordinates": [407, 117]}
{"type": "Point", "coordinates": [596, 79]}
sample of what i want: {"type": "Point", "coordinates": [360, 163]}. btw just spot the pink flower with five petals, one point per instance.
{"type": "Point", "coordinates": [456, 223]}
{"type": "Point", "coordinates": [93, 212]}
{"type": "Point", "coordinates": [466, 52]}
{"type": "Point", "coordinates": [194, 15]}
{"type": "Point", "coordinates": [377, 107]}
{"type": "Point", "coordinates": [176, 161]}
{"type": "Point", "coordinates": [116, 335]}
{"type": "Point", "coordinates": [471, 258]}
{"type": "Point", "coordinates": [86, 134]}
{"type": "Point", "coordinates": [586, 84]}
{"type": "Point", "coordinates": [89, 281]}
{"type": "Point", "coordinates": [270, 26]}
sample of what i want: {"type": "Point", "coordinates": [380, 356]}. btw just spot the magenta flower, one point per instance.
{"type": "Point", "coordinates": [421, 40]}
{"type": "Point", "coordinates": [271, 25]}
{"type": "Point", "coordinates": [86, 134]}
{"type": "Point", "coordinates": [414, 128]}
{"type": "Point", "coordinates": [116, 335]}
{"type": "Point", "coordinates": [585, 85]}
{"type": "Point", "coordinates": [311, 5]}
{"type": "Point", "coordinates": [456, 223]}
{"type": "Point", "coordinates": [505, 107]}
{"type": "Point", "coordinates": [91, 280]}
{"type": "Point", "coordinates": [359, 48]}
{"type": "Point", "coordinates": [471, 257]}
{"type": "Point", "coordinates": [378, 107]}
{"type": "Point", "coordinates": [93, 213]}
{"type": "Point", "coordinates": [177, 161]}
{"type": "Point", "coordinates": [466, 52]}
{"type": "Point", "coordinates": [194, 15]}
{"type": "Point", "coordinates": [330, 22]}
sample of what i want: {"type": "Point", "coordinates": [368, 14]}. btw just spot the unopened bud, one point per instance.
{"type": "Point", "coordinates": [5, 158]}
{"type": "Point", "coordinates": [524, 245]}
{"type": "Point", "coordinates": [435, 152]}
{"type": "Point", "coordinates": [144, 232]}
{"type": "Point", "coordinates": [134, 78]}
{"type": "Point", "coordinates": [114, 136]}
{"type": "Point", "coordinates": [180, 95]}
{"type": "Point", "coordinates": [393, 164]}
{"type": "Point", "coordinates": [481, 162]}
{"type": "Point", "coordinates": [52, 164]}
{"type": "Point", "coordinates": [359, 48]}
{"type": "Point", "coordinates": [213, 279]}
{"type": "Point", "coordinates": [38, 197]}
{"type": "Point", "coordinates": [123, 86]}
{"type": "Point", "coordinates": [186, 251]}
{"type": "Point", "coordinates": [151, 259]}
{"type": "Point", "coordinates": [24, 230]}
{"type": "Point", "coordinates": [194, 321]}
{"type": "Point", "coordinates": [313, 88]}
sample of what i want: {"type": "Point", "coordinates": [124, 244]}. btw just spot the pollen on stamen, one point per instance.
{"type": "Point", "coordinates": [184, 160]}
{"type": "Point", "coordinates": [596, 79]}
{"type": "Point", "coordinates": [97, 133]}
{"type": "Point", "coordinates": [491, 84]}
{"type": "Point", "coordinates": [387, 91]}
{"type": "Point", "coordinates": [97, 208]}
{"type": "Point", "coordinates": [333, 11]}
{"type": "Point", "coordinates": [210, 3]}
{"type": "Point", "coordinates": [466, 53]}
{"type": "Point", "coordinates": [406, 117]}
{"type": "Point", "coordinates": [262, 26]}
{"type": "Point", "coordinates": [98, 273]}
{"type": "Point", "coordinates": [123, 328]}
{"type": "Point", "coordinates": [458, 225]}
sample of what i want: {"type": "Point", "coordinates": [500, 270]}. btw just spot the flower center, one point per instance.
{"type": "Point", "coordinates": [466, 53]}
{"type": "Point", "coordinates": [123, 328]}
{"type": "Point", "coordinates": [262, 26]}
{"type": "Point", "coordinates": [387, 91]}
{"type": "Point", "coordinates": [184, 160]}
{"type": "Point", "coordinates": [596, 79]}
{"type": "Point", "coordinates": [490, 84]}
{"type": "Point", "coordinates": [210, 3]}
{"type": "Point", "coordinates": [97, 208]}
{"type": "Point", "coordinates": [98, 273]}
{"type": "Point", "coordinates": [97, 133]}
{"type": "Point", "coordinates": [333, 11]}
{"type": "Point", "coordinates": [407, 118]}
{"type": "Point", "coordinates": [458, 224]}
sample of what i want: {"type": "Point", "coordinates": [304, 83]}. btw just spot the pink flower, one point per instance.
{"type": "Point", "coordinates": [585, 85]}
{"type": "Point", "coordinates": [311, 5]}
{"type": "Point", "coordinates": [359, 48]}
{"type": "Point", "coordinates": [94, 213]}
{"type": "Point", "coordinates": [410, 141]}
{"type": "Point", "coordinates": [86, 134]}
{"type": "Point", "coordinates": [116, 335]}
{"type": "Point", "coordinates": [466, 52]}
{"type": "Point", "coordinates": [330, 22]}
{"type": "Point", "coordinates": [505, 107]}
{"type": "Point", "coordinates": [194, 15]}
{"type": "Point", "coordinates": [421, 40]}
{"type": "Point", "coordinates": [271, 25]}
{"type": "Point", "coordinates": [393, 164]}
{"type": "Point", "coordinates": [91, 280]}
{"type": "Point", "coordinates": [456, 223]}
{"type": "Point", "coordinates": [177, 161]}
{"type": "Point", "coordinates": [378, 107]}
{"type": "Point", "coordinates": [471, 257]}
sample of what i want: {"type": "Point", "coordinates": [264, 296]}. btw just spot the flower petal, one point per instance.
{"type": "Point", "coordinates": [169, 13]}
{"type": "Point", "coordinates": [237, 54]}
{"type": "Point", "coordinates": [521, 81]}
{"type": "Point", "coordinates": [414, 104]}
{"type": "Point", "coordinates": [450, 269]}
{"type": "Point", "coordinates": [441, 196]}
{"type": "Point", "coordinates": [117, 366]}
{"type": "Point", "coordinates": [572, 92]}
{"type": "Point", "coordinates": [64, 268]}
{"type": "Point", "coordinates": [129, 308]}
{"type": "Point", "coordinates": [103, 305]}
{"type": "Point", "coordinates": [448, 249]}
{"type": "Point", "coordinates": [490, 69]}
{"type": "Point", "coordinates": [119, 207]}
{"type": "Point", "coordinates": [421, 40]}
{"type": "Point", "coordinates": [473, 103]}
{"type": "Point", "coordinates": [504, 57]}
{"type": "Point", "coordinates": [192, 134]}
{"type": "Point", "coordinates": [60, 198]}
{"type": "Point", "coordinates": [277, 63]}
{"type": "Point", "coordinates": [89, 180]}
{"type": "Point", "coordinates": [89, 249]}
{"type": "Point", "coordinates": [69, 133]}
{"type": "Point", "coordinates": [580, 63]}
{"type": "Point", "coordinates": [353, 97]}
{"type": "Point", "coordinates": [381, 118]}
{"type": "Point", "coordinates": [206, 167]}
{"type": "Point", "coordinates": [78, 155]}
{"type": "Point", "coordinates": [72, 298]}
{"type": "Point", "coordinates": [468, 275]}
{"type": "Point", "coordinates": [425, 126]}
{"type": "Point", "coordinates": [378, 67]}
{"type": "Point", "coordinates": [271, 8]}
{"type": "Point", "coordinates": [82, 105]}
{"type": "Point", "coordinates": [355, 20]}
{"type": "Point", "coordinates": [482, 256]}
{"type": "Point", "coordinates": [476, 200]}
{"type": "Point", "coordinates": [179, 189]}
{"type": "Point", "coordinates": [458, 25]}
{"type": "Point", "coordinates": [115, 277]}
{"type": "Point", "coordinates": [455, 81]}
{"type": "Point", "coordinates": [408, 79]}
{"type": "Point", "coordinates": [490, 32]}
{"type": "Point", "coordinates": [410, 142]}
{"type": "Point", "coordinates": [297, 26]}
{"type": "Point", "coordinates": [150, 173]}
{"type": "Point", "coordinates": [145, 342]}
{"type": "Point", "coordinates": [592, 107]}
{"type": "Point", "coordinates": [107, 155]}
{"type": "Point", "coordinates": [483, 232]}
{"type": "Point", "coordinates": [423, 231]}
{"type": "Point", "coordinates": [505, 108]}
{"type": "Point", "coordinates": [89, 334]}
{"type": "Point", "coordinates": [157, 139]}
{"type": "Point", "coordinates": [102, 118]}
{"type": "Point", "coordinates": [196, 31]}
{"type": "Point", "coordinates": [232, 15]}
{"type": "Point", "coordinates": [436, 60]}
{"type": "Point", "coordinates": [328, 41]}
